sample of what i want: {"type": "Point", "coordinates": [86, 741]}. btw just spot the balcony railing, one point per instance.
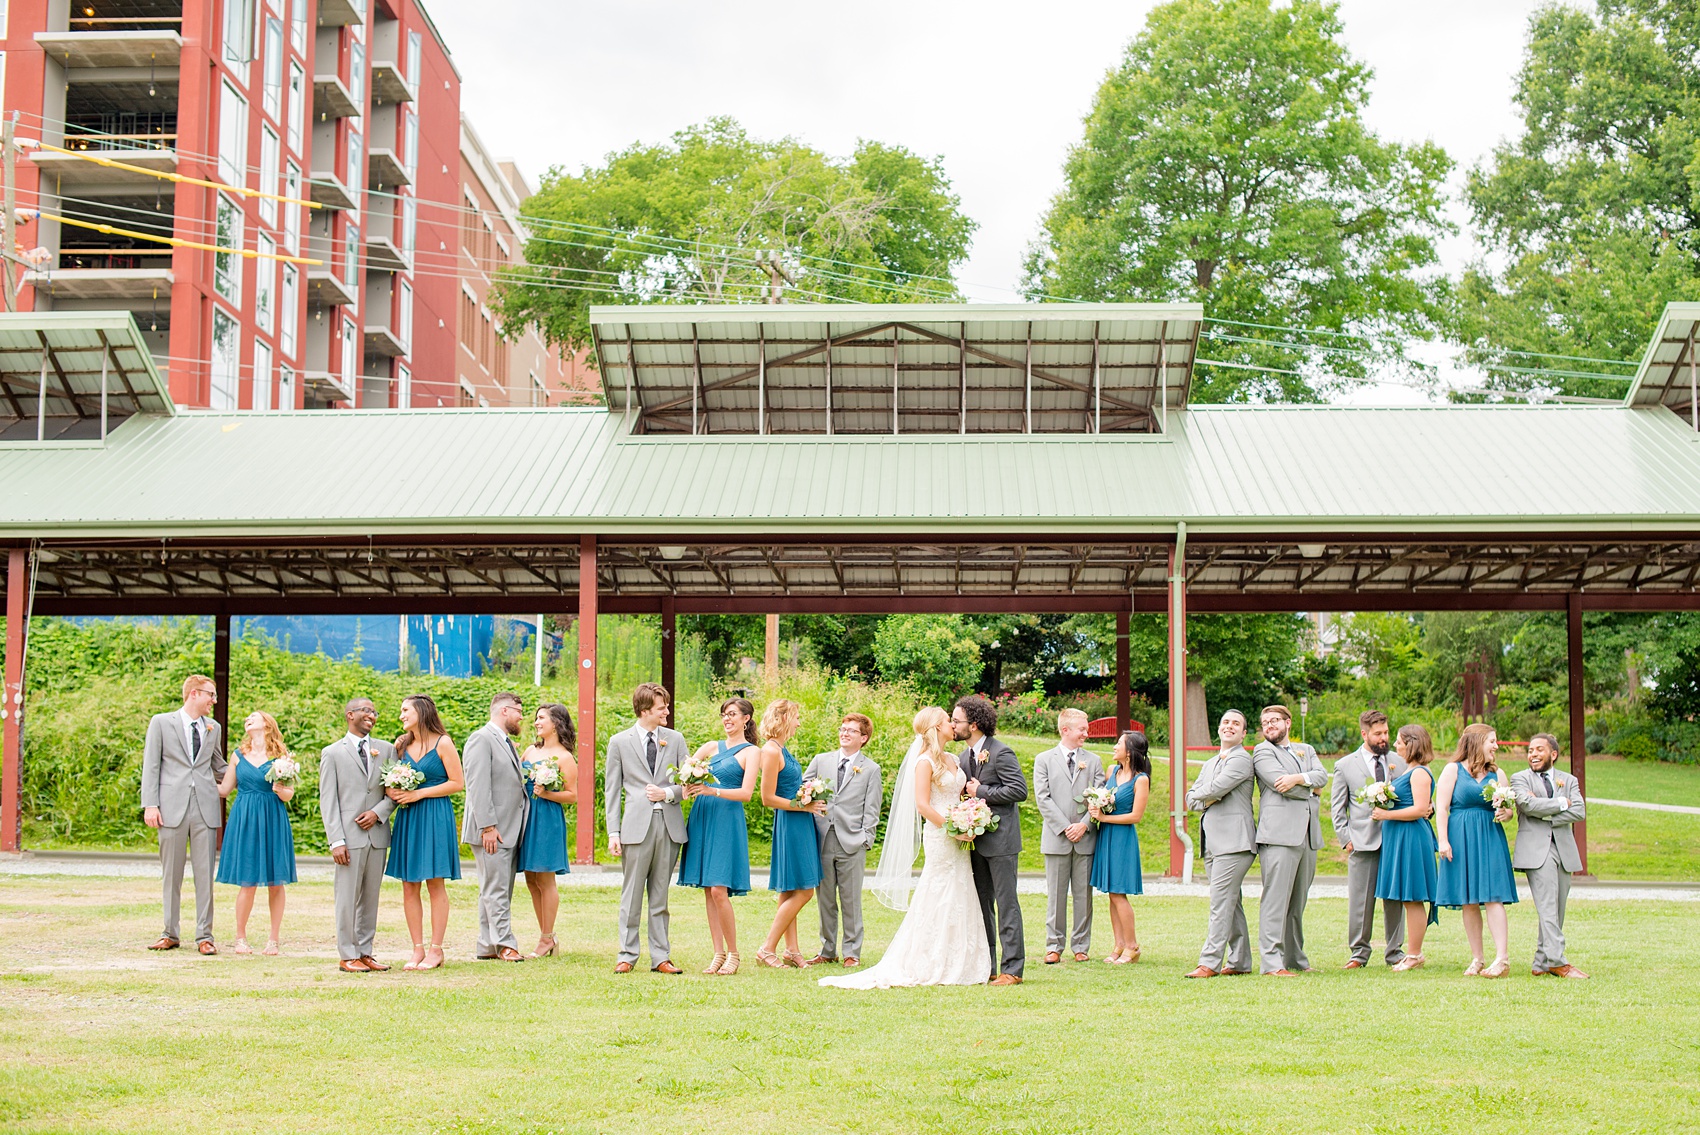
{"type": "Point", "coordinates": [71, 259]}
{"type": "Point", "coordinates": [125, 23]}
{"type": "Point", "coordinates": [81, 141]}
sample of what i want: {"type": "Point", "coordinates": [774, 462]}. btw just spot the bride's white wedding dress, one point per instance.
{"type": "Point", "coordinates": [942, 940]}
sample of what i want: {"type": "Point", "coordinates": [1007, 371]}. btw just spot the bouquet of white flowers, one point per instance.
{"type": "Point", "coordinates": [1498, 795]}
{"type": "Point", "coordinates": [285, 770]}
{"type": "Point", "coordinates": [693, 770]}
{"type": "Point", "coordinates": [401, 776]}
{"type": "Point", "coordinates": [814, 790]}
{"type": "Point", "coordinates": [545, 775]}
{"type": "Point", "coordinates": [1101, 797]}
{"type": "Point", "coordinates": [1378, 794]}
{"type": "Point", "coordinates": [972, 817]}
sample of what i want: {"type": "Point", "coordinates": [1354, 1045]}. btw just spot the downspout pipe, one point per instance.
{"type": "Point", "coordinates": [1177, 723]}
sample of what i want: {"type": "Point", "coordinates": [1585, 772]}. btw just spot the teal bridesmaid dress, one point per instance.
{"type": "Point", "coordinates": [259, 845]}
{"type": "Point", "coordinates": [1407, 872]}
{"type": "Point", "coordinates": [1480, 868]}
{"type": "Point", "coordinates": [543, 847]}
{"type": "Point", "coordinates": [717, 844]}
{"type": "Point", "coordinates": [1115, 858]}
{"type": "Point", "coordinates": [796, 847]}
{"type": "Point", "coordinates": [423, 841]}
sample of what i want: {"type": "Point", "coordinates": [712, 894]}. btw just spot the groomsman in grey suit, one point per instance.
{"type": "Point", "coordinates": [1360, 835]}
{"type": "Point", "coordinates": [1289, 834]}
{"type": "Point", "coordinates": [1222, 796]}
{"type": "Point", "coordinates": [182, 764]}
{"type": "Point", "coordinates": [356, 814]}
{"type": "Point", "coordinates": [646, 833]}
{"type": "Point", "coordinates": [497, 801]}
{"type": "Point", "coordinates": [1067, 837]}
{"type": "Point", "coordinates": [1549, 801]}
{"type": "Point", "coordinates": [846, 833]}
{"type": "Point", "coordinates": [994, 775]}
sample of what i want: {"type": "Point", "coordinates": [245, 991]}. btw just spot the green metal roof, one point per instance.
{"type": "Point", "coordinates": [1455, 469]}
{"type": "Point", "coordinates": [61, 372]}
{"type": "Point", "coordinates": [1668, 375]}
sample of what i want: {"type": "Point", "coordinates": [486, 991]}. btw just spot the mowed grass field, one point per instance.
{"type": "Point", "coordinates": [98, 1035]}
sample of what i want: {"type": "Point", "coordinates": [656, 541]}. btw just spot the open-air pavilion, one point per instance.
{"type": "Point", "coordinates": [844, 458]}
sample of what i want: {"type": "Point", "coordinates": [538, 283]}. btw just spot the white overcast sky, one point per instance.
{"type": "Point", "coordinates": [997, 90]}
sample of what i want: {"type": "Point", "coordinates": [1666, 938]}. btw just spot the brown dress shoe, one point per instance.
{"type": "Point", "coordinates": [1080, 956]}
{"type": "Point", "coordinates": [852, 963]}
{"type": "Point", "coordinates": [623, 967]}
{"type": "Point", "coordinates": [1052, 958]}
{"type": "Point", "coordinates": [1006, 979]}
{"type": "Point", "coordinates": [373, 964]}
{"type": "Point", "coordinates": [165, 943]}
{"type": "Point", "coordinates": [820, 960]}
{"type": "Point", "coordinates": [1201, 971]}
{"type": "Point", "coordinates": [1353, 964]}
{"type": "Point", "coordinates": [509, 954]}
{"type": "Point", "coordinates": [665, 967]}
{"type": "Point", "coordinates": [1566, 970]}
{"type": "Point", "coordinates": [206, 948]}
{"type": "Point", "coordinates": [352, 965]}
{"type": "Point", "coordinates": [1280, 973]}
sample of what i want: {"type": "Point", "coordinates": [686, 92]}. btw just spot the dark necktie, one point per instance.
{"type": "Point", "coordinates": [365, 761]}
{"type": "Point", "coordinates": [843, 768]}
{"type": "Point", "coordinates": [194, 741]}
{"type": "Point", "coordinates": [1546, 779]}
{"type": "Point", "coordinates": [1071, 766]}
{"type": "Point", "coordinates": [1380, 768]}
{"type": "Point", "coordinates": [650, 752]}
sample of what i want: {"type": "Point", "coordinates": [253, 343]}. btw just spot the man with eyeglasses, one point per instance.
{"type": "Point", "coordinates": [1222, 796]}
{"type": "Point", "coordinates": [182, 764]}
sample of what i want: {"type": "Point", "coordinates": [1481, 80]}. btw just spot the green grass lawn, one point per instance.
{"type": "Point", "coordinates": [97, 1035]}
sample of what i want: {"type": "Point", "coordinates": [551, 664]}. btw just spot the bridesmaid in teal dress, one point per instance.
{"type": "Point", "coordinates": [543, 847]}
{"type": "Point", "coordinates": [795, 867]}
{"type": "Point", "coordinates": [259, 845]}
{"type": "Point", "coordinates": [424, 845]}
{"type": "Point", "coordinates": [717, 847]}
{"type": "Point", "coordinates": [1115, 859]}
{"type": "Point", "coordinates": [1475, 859]}
{"type": "Point", "coordinates": [1406, 873]}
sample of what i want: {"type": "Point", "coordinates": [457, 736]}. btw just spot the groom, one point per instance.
{"type": "Point", "coordinates": [994, 775]}
{"type": "Point", "coordinates": [496, 806]}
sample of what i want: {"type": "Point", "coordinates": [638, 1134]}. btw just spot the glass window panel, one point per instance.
{"type": "Point", "coordinates": [298, 26]}
{"type": "Point", "coordinates": [262, 375]}
{"type": "Point", "coordinates": [291, 310]}
{"type": "Point", "coordinates": [268, 174]}
{"type": "Point", "coordinates": [292, 213]}
{"type": "Point", "coordinates": [233, 136]}
{"type": "Point", "coordinates": [414, 41]}
{"type": "Point", "coordinates": [285, 388]}
{"type": "Point", "coordinates": [265, 271]}
{"type": "Point", "coordinates": [403, 386]}
{"type": "Point", "coordinates": [225, 357]}
{"type": "Point", "coordinates": [404, 315]}
{"type": "Point", "coordinates": [298, 106]}
{"type": "Point", "coordinates": [227, 266]}
{"type": "Point", "coordinates": [357, 73]}
{"type": "Point", "coordinates": [353, 179]}
{"type": "Point", "coordinates": [350, 355]}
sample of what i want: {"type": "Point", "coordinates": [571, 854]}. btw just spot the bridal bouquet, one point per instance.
{"type": "Point", "coordinates": [1378, 794]}
{"type": "Point", "coordinates": [545, 775]}
{"type": "Point", "coordinates": [285, 771]}
{"type": "Point", "coordinates": [972, 818]}
{"type": "Point", "coordinates": [1102, 797]}
{"type": "Point", "coordinates": [401, 776]}
{"type": "Point", "coordinates": [1498, 795]}
{"type": "Point", "coordinates": [814, 791]}
{"type": "Point", "coordinates": [693, 770]}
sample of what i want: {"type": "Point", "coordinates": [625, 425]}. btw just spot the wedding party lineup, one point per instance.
{"type": "Point", "coordinates": [1417, 840]}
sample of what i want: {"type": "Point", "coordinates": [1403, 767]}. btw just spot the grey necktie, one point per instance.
{"type": "Point", "coordinates": [843, 769]}
{"type": "Point", "coordinates": [1071, 766]}
{"type": "Point", "coordinates": [650, 752]}
{"type": "Point", "coordinates": [365, 761]}
{"type": "Point", "coordinates": [1380, 768]}
{"type": "Point", "coordinates": [1546, 779]}
{"type": "Point", "coordinates": [194, 741]}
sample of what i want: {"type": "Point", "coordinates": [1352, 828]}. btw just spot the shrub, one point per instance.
{"type": "Point", "coordinates": [936, 654]}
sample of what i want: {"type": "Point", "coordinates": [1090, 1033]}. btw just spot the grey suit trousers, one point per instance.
{"type": "Point", "coordinates": [1227, 940]}
{"type": "Point", "coordinates": [646, 868]}
{"type": "Point", "coordinates": [994, 878]}
{"type": "Point", "coordinates": [1287, 874]}
{"type": "Point", "coordinates": [841, 874]}
{"type": "Point", "coordinates": [1361, 869]}
{"type": "Point", "coordinates": [1549, 886]}
{"type": "Point", "coordinates": [1065, 874]}
{"type": "Point", "coordinates": [356, 886]}
{"type": "Point", "coordinates": [495, 898]}
{"type": "Point", "coordinates": [194, 840]}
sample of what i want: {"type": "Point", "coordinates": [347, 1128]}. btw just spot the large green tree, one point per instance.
{"type": "Point", "coordinates": [1592, 214]}
{"type": "Point", "coordinates": [1226, 161]}
{"type": "Point", "coordinates": [702, 217]}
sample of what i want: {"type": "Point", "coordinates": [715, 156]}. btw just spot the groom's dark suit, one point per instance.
{"type": "Point", "coordinates": [1003, 786]}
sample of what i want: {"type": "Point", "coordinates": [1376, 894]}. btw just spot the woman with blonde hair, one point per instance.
{"type": "Point", "coordinates": [794, 869]}
{"type": "Point", "coordinates": [259, 845]}
{"type": "Point", "coordinates": [942, 940]}
{"type": "Point", "coordinates": [1475, 859]}
{"type": "Point", "coordinates": [1406, 871]}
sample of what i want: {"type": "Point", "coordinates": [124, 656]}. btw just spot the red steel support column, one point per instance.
{"type": "Point", "coordinates": [586, 850]}
{"type": "Point", "coordinates": [1177, 701]}
{"type": "Point", "coordinates": [221, 709]}
{"type": "Point", "coordinates": [12, 691]}
{"type": "Point", "coordinates": [669, 638]}
{"type": "Point", "coordinates": [1578, 717]}
{"type": "Point", "coordinates": [1124, 696]}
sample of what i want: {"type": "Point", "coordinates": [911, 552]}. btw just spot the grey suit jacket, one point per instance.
{"type": "Point", "coordinates": [853, 812]}
{"type": "Point", "coordinates": [345, 792]}
{"type": "Point", "coordinates": [1003, 786]}
{"type": "Point", "coordinates": [1294, 818]}
{"type": "Point", "coordinates": [1541, 823]}
{"type": "Point", "coordinates": [628, 771]}
{"type": "Point", "coordinates": [1054, 792]}
{"type": "Point", "coordinates": [496, 791]}
{"type": "Point", "coordinates": [168, 777]}
{"type": "Point", "coordinates": [1222, 792]}
{"type": "Point", "coordinates": [1352, 821]}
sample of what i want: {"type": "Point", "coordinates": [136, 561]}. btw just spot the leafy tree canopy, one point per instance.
{"type": "Point", "coordinates": [1226, 161]}
{"type": "Point", "coordinates": [697, 219]}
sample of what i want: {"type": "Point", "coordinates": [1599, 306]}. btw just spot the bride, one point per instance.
{"type": "Point", "coordinates": [942, 940]}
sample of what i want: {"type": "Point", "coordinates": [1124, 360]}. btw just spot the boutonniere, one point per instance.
{"type": "Point", "coordinates": [856, 770]}
{"type": "Point", "coordinates": [661, 741]}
